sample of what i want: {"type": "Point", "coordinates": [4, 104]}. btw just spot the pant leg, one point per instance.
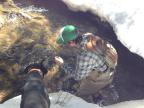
{"type": "Point", "coordinates": [96, 81]}
{"type": "Point", "coordinates": [93, 84]}
{"type": "Point", "coordinates": [35, 94]}
{"type": "Point", "coordinates": [109, 95]}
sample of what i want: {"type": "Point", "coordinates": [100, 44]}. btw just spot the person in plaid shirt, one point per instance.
{"type": "Point", "coordinates": [96, 61]}
{"type": "Point", "coordinates": [86, 62]}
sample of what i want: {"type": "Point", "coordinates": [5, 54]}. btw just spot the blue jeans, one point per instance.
{"type": "Point", "coordinates": [35, 94]}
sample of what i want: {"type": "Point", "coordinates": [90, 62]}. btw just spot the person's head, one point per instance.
{"type": "Point", "coordinates": [67, 34]}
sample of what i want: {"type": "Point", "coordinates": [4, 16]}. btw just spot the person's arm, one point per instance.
{"type": "Point", "coordinates": [65, 66]}
{"type": "Point", "coordinates": [111, 54]}
{"type": "Point", "coordinates": [69, 83]}
{"type": "Point", "coordinates": [84, 65]}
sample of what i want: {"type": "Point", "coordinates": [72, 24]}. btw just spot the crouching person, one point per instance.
{"type": "Point", "coordinates": [96, 62]}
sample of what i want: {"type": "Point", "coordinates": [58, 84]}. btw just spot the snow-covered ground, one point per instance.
{"type": "Point", "coordinates": [126, 16]}
{"type": "Point", "coordinates": [66, 100]}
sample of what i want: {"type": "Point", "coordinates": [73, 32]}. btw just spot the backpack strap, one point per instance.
{"type": "Point", "coordinates": [111, 55]}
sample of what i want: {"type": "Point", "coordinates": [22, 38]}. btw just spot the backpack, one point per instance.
{"type": "Point", "coordinates": [96, 43]}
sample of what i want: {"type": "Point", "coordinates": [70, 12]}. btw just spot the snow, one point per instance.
{"type": "Point", "coordinates": [67, 100]}
{"type": "Point", "coordinates": [125, 16]}
{"type": "Point", "coordinates": [58, 100]}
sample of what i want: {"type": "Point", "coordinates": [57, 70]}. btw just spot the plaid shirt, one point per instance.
{"type": "Point", "coordinates": [86, 62]}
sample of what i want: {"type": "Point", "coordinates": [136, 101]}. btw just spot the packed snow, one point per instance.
{"type": "Point", "coordinates": [67, 100]}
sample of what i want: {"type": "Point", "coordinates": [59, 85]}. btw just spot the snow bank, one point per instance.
{"type": "Point", "coordinates": [66, 100]}
{"type": "Point", "coordinates": [12, 103]}
{"type": "Point", "coordinates": [58, 100]}
{"type": "Point", "coordinates": [128, 104]}
{"type": "Point", "coordinates": [125, 16]}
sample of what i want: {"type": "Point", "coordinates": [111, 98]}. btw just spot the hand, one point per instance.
{"type": "Point", "coordinates": [59, 60]}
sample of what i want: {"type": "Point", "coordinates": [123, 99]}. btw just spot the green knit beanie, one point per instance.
{"type": "Point", "coordinates": [67, 33]}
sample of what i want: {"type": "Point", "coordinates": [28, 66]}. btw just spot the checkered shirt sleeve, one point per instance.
{"type": "Point", "coordinates": [68, 69]}
{"type": "Point", "coordinates": [86, 62]}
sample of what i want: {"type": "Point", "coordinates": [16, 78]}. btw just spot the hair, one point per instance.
{"type": "Point", "coordinates": [78, 39]}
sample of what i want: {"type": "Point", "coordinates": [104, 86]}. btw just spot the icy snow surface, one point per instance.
{"type": "Point", "coordinates": [66, 100]}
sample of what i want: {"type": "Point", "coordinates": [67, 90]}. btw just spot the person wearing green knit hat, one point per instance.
{"type": "Point", "coordinates": [67, 33]}
{"type": "Point", "coordinates": [96, 61]}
